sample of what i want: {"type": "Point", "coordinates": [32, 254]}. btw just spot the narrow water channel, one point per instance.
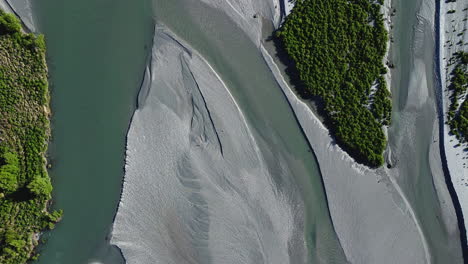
{"type": "Point", "coordinates": [414, 134]}
{"type": "Point", "coordinates": [240, 65]}
{"type": "Point", "coordinates": [96, 54]}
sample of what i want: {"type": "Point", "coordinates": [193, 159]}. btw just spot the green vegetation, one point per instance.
{"type": "Point", "coordinates": [25, 187]}
{"type": "Point", "coordinates": [337, 49]}
{"type": "Point", "coordinates": [458, 114]}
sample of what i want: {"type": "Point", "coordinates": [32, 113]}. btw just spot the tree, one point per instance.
{"type": "Point", "coordinates": [9, 23]}
{"type": "Point", "coordinates": [9, 172]}
{"type": "Point", "coordinates": [336, 50]}
{"type": "Point", "coordinates": [40, 186]}
{"type": "Point", "coordinates": [8, 181]}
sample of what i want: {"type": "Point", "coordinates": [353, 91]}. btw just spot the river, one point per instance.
{"type": "Point", "coordinates": [414, 133]}
{"type": "Point", "coordinates": [237, 61]}
{"type": "Point", "coordinates": [97, 52]}
{"type": "Point", "coordinates": [96, 55]}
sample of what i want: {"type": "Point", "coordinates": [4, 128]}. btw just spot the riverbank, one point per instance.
{"type": "Point", "coordinates": [339, 61]}
{"type": "Point", "coordinates": [451, 28]}
{"type": "Point", "coordinates": [23, 10]}
{"type": "Point", "coordinates": [25, 187]}
{"type": "Point", "coordinates": [95, 72]}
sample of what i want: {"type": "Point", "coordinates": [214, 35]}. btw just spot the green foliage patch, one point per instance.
{"type": "Point", "coordinates": [24, 131]}
{"type": "Point", "coordinates": [337, 48]}
{"type": "Point", "coordinates": [458, 114]}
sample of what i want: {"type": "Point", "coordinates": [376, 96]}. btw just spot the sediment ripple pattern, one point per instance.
{"type": "Point", "coordinates": [198, 188]}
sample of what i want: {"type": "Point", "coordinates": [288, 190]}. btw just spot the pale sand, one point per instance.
{"type": "Point", "coordinates": [196, 179]}
{"type": "Point", "coordinates": [361, 201]}
{"type": "Point", "coordinates": [248, 14]}
{"type": "Point", "coordinates": [5, 6]}
{"type": "Point", "coordinates": [457, 158]}
{"type": "Point", "coordinates": [22, 8]}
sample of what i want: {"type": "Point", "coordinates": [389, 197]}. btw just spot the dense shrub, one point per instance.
{"type": "Point", "coordinates": [24, 131]}
{"type": "Point", "coordinates": [458, 114]}
{"type": "Point", "coordinates": [337, 48]}
{"type": "Point", "coordinates": [9, 173]}
{"type": "Point", "coordinates": [40, 186]}
{"type": "Point", "coordinates": [9, 23]}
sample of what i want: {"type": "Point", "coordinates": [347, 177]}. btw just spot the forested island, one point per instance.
{"type": "Point", "coordinates": [337, 48]}
{"type": "Point", "coordinates": [458, 111]}
{"type": "Point", "coordinates": [25, 186]}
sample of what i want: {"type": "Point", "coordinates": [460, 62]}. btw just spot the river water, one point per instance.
{"type": "Point", "coordinates": [247, 76]}
{"type": "Point", "coordinates": [97, 51]}
{"type": "Point", "coordinates": [96, 55]}
{"type": "Point", "coordinates": [239, 64]}
{"type": "Point", "coordinates": [414, 134]}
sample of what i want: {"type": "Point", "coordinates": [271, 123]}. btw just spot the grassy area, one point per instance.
{"type": "Point", "coordinates": [458, 114]}
{"type": "Point", "coordinates": [25, 187]}
{"type": "Point", "coordinates": [337, 49]}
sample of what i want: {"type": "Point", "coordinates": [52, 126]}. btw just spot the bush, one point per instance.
{"type": "Point", "coordinates": [9, 173]}
{"type": "Point", "coordinates": [337, 49]}
{"type": "Point", "coordinates": [9, 23]}
{"type": "Point", "coordinates": [8, 182]}
{"type": "Point", "coordinates": [458, 113]}
{"type": "Point", "coordinates": [40, 186]}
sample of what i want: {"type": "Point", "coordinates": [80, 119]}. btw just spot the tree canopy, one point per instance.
{"type": "Point", "coordinates": [458, 112]}
{"type": "Point", "coordinates": [9, 23]}
{"type": "Point", "coordinates": [9, 173]}
{"type": "Point", "coordinates": [40, 186]}
{"type": "Point", "coordinates": [337, 48]}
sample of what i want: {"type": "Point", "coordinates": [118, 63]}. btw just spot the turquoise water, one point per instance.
{"type": "Point", "coordinates": [96, 54]}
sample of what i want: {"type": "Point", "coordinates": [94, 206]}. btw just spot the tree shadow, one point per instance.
{"type": "Point", "coordinates": [21, 195]}
{"type": "Point", "coordinates": [294, 77]}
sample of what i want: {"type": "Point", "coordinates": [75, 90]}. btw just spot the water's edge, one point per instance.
{"type": "Point", "coordinates": [441, 113]}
